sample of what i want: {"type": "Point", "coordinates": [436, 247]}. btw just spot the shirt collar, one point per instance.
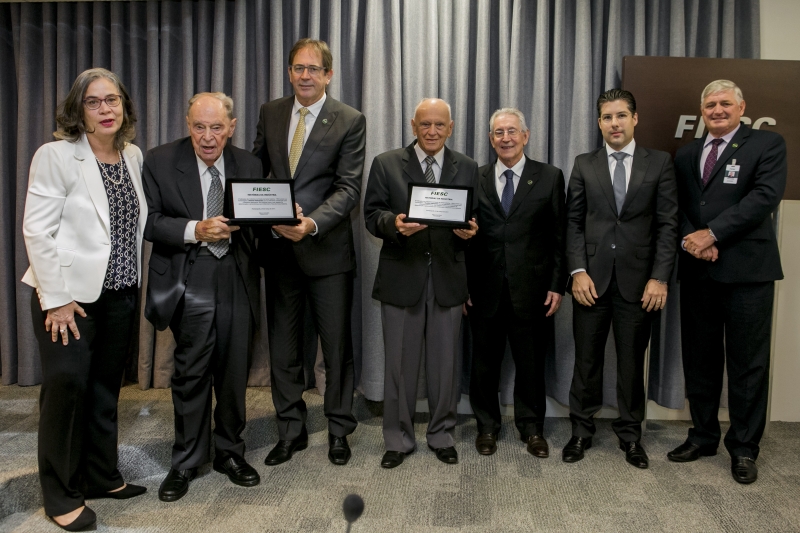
{"type": "Point", "coordinates": [629, 149]}
{"type": "Point", "coordinates": [499, 167]}
{"type": "Point", "coordinates": [727, 137]}
{"type": "Point", "coordinates": [421, 155]}
{"type": "Point", "coordinates": [314, 108]}
{"type": "Point", "coordinates": [202, 166]}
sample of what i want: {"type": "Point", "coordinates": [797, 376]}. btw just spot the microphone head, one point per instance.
{"type": "Point", "coordinates": [353, 506]}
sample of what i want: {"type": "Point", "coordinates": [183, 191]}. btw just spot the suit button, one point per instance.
{"type": "Point", "coordinates": [186, 281]}
{"type": "Point", "coordinates": [613, 246]}
{"type": "Point", "coordinates": [506, 223]}
{"type": "Point", "coordinates": [191, 262]}
{"type": "Point", "coordinates": [427, 253]}
{"type": "Point", "coordinates": [506, 245]}
{"type": "Point", "coordinates": [619, 222]}
{"type": "Point", "coordinates": [702, 202]}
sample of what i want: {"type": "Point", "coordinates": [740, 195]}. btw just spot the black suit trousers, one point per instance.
{"type": "Point", "coordinates": [591, 325]}
{"type": "Point", "coordinates": [78, 400]}
{"type": "Point", "coordinates": [331, 299]}
{"type": "Point", "coordinates": [211, 325]}
{"type": "Point", "coordinates": [529, 339]}
{"type": "Point", "coordinates": [727, 324]}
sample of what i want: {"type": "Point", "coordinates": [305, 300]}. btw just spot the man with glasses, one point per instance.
{"type": "Point", "coordinates": [421, 283]}
{"type": "Point", "coordinates": [318, 143]}
{"type": "Point", "coordinates": [517, 276]}
{"type": "Point", "coordinates": [622, 229]}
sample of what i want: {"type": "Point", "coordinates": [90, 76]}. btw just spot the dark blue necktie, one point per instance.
{"type": "Point", "coordinates": [508, 191]}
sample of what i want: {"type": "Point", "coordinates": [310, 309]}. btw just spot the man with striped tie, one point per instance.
{"type": "Point", "coordinates": [421, 283]}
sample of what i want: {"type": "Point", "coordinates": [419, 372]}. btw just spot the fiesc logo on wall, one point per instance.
{"type": "Point", "coordinates": [696, 124]}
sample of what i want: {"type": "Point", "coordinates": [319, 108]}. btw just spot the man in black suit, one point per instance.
{"type": "Point", "coordinates": [319, 143]}
{"type": "Point", "coordinates": [729, 183]}
{"type": "Point", "coordinates": [622, 227]}
{"type": "Point", "coordinates": [421, 283]}
{"type": "Point", "coordinates": [517, 276]}
{"type": "Point", "coordinates": [203, 284]}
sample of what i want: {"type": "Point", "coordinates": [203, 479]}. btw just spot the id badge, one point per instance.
{"type": "Point", "coordinates": [731, 174]}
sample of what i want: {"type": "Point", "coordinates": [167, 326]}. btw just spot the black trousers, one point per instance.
{"type": "Point", "coordinates": [529, 339]}
{"type": "Point", "coordinates": [727, 324]}
{"type": "Point", "coordinates": [331, 298]}
{"type": "Point", "coordinates": [78, 400]}
{"type": "Point", "coordinates": [212, 326]}
{"type": "Point", "coordinates": [590, 326]}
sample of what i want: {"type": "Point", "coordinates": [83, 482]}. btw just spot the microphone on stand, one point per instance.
{"type": "Point", "coordinates": [352, 507]}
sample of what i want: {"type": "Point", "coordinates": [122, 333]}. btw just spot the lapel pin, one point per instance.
{"type": "Point", "coordinates": [734, 144]}
{"type": "Point", "coordinates": [530, 182]}
{"type": "Point", "coordinates": [325, 121]}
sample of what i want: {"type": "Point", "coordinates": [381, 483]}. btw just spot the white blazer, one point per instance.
{"type": "Point", "coordinates": [67, 228]}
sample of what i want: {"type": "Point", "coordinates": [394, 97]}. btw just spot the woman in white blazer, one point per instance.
{"type": "Point", "coordinates": [84, 218]}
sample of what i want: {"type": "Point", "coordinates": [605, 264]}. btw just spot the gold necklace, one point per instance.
{"type": "Point", "coordinates": [105, 172]}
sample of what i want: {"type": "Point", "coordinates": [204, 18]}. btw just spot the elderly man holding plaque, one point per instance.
{"type": "Point", "coordinates": [203, 285]}
{"type": "Point", "coordinates": [421, 280]}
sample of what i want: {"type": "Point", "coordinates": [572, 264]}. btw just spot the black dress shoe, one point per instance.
{"type": "Point", "coordinates": [573, 451]}
{"type": "Point", "coordinates": [688, 452]}
{"type": "Point", "coordinates": [84, 522]}
{"type": "Point", "coordinates": [537, 446]}
{"type": "Point", "coordinates": [130, 491]}
{"type": "Point", "coordinates": [338, 450]}
{"type": "Point", "coordinates": [393, 459]}
{"type": "Point", "coordinates": [634, 453]}
{"type": "Point", "coordinates": [486, 443]}
{"type": "Point", "coordinates": [744, 470]}
{"type": "Point", "coordinates": [176, 484]}
{"type": "Point", "coordinates": [283, 451]}
{"type": "Point", "coordinates": [447, 454]}
{"type": "Point", "coordinates": [238, 471]}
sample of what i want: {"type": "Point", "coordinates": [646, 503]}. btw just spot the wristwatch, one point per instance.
{"type": "Point", "coordinates": [661, 281]}
{"type": "Point", "coordinates": [712, 234]}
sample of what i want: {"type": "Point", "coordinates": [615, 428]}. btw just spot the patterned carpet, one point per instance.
{"type": "Point", "coordinates": [510, 491]}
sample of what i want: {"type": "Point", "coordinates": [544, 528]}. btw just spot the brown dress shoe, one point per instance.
{"type": "Point", "coordinates": [537, 446]}
{"type": "Point", "coordinates": [486, 443]}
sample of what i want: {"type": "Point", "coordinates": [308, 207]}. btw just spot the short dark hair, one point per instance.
{"type": "Point", "coordinates": [69, 113]}
{"type": "Point", "coordinates": [613, 95]}
{"type": "Point", "coordinates": [319, 46]}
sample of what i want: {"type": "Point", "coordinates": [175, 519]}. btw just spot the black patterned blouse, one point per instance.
{"type": "Point", "coordinates": [123, 206]}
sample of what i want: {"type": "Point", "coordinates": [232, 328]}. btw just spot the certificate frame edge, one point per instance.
{"type": "Point", "coordinates": [259, 221]}
{"type": "Point", "coordinates": [437, 223]}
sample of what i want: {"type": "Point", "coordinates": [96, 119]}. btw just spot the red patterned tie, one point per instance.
{"type": "Point", "coordinates": [711, 160]}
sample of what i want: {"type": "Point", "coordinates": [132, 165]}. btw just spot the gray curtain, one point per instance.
{"type": "Point", "coordinates": [550, 58]}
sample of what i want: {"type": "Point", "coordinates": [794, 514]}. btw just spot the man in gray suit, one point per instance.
{"type": "Point", "coordinates": [319, 143]}
{"type": "Point", "coordinates": [421, 283]}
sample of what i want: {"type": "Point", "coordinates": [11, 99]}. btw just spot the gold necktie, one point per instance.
{"type": "Point", "coordinates": [297, 141]}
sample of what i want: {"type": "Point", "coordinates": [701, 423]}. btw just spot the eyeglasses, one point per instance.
{"type": "Point", "coordinates": [499, 134]}
{"type": "Point", "coordinates": [312, 69]}
{"type": "Point", "coordinates": [112, 100]}
{"type": "Point", "coordinates": [621, 117]}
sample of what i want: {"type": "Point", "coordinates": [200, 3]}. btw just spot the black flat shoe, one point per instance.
{"type": "Point", "coordinates": [130, 491]}
{"type": "Point", "coordinates": [688, 452]}
{"type": "Point", "coordinates": [338, 450]}
{"type": "Point", "coordinates": [84, 522]}
{"type": "Point", "coordinates": [176, 484]}
{"type": "Point", "coordinates": [744, 470]}
{"type": "Point", "coordinates": [634, 453]}
{"type": "Point", "coordinates": [238, 471]}
{"type": "Point", "coordinates": [573, 451]}
{"type": "Point", "coordinates": [283, 451]}
{"type": "Point", "coordinates": [448, 454]}
{"type": "Point", "coordinates": [393, 459]}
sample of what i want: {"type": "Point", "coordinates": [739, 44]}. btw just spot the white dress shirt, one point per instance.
{"type": "Point", "coordinates": [437, 164]}
{"type": "Point", "coordinates": [205, 185]}
{"type": "Point", "coordinates": [500, 180]}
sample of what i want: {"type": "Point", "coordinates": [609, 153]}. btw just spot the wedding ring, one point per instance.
{"type": "Point", "coordinates": [63, 330]}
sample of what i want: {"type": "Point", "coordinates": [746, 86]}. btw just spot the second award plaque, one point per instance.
{"type": "Point", "coordinates": [439, 205]}
{"type": "Point", "coordinates": [251, 202]}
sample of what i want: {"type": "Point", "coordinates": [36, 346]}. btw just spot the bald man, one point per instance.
{"type": "Point", "coordinates": [421, 283]}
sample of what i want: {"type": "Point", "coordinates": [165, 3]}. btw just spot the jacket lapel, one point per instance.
{"type": "Point", "coordinates": [283, 117]}
{"type": "Point", "coordinates": [189, 180]}
{"type": "Point", "coordinates": [490, 189]}
{"type": "Point", "coordinates": [697, 151]}
{"type": "Point", "coordinates": [638, 171]}
{"type": "Point", "coordinates": [449, 169]}
{"type": "Point", "coordinates": [603, 176]}
{"type": "Point", "coordinates": [528, 180]}
{"type": "Point", "coordinates": [737, 142]}
{"type": "Point", "coordinates": [412, 170]}
{"type": "Point", "coordinates": [321, 128]}
{"type": "Point", "coordinates": [93, 180]}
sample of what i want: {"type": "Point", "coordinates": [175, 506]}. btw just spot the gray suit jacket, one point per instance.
{"type": "Point", "coordinates": [640, 242]}
{"type": "Point", "coordinates": [327, 182]}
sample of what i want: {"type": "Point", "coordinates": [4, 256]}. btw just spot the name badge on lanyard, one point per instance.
{"type": "Point", "coordinates": [731, 173]}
